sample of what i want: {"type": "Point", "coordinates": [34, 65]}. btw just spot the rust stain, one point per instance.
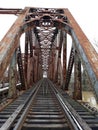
{"type": "Point", "coordinates": [85, 44]}
{"type": "Point", "coordinates": [10, 42]}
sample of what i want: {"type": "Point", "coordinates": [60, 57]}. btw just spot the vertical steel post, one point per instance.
{"type": "Point", "coordinates": [52, 66]}
{"type": "Point", "coordinates": [60, 72]}
{"type": "Point", "coordinates": [26, 55]}
{"type": "Point", "coordinates": [37, 65]}
{"type": "Point", "coordinates": [12, 77]}
{"type": "Point", "coordinates": [70, 67]}
{"type": "Point", "coordinates": [56, 61]}
{"type": "Point", "coordinates": [64, 57]}
{"type": "Point", "coordinates": [33, 52]}
{"type": "Point", "coordinates": [31, 57]}
{"type": "Point", "coordinates": [34, 58]}
{"type": "Point", "coordinates": [77, 78]}
{"type": "Point", "coordinates": [56, 75]}
{"type": "Point", "coordinates": [51, 71]}
{"type": "Point", "coordinates": [20, 68]}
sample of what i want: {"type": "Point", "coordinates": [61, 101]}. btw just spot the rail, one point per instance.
{"type": "Point", "coordinates": [7, 125]}
{"type": "Point", "coordinates": [75, 121]}
{"type": "Point", "coordinates": [73, 117]}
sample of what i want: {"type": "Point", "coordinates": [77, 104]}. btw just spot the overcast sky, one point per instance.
{"type": "Point", "coordinates": [84, 11]}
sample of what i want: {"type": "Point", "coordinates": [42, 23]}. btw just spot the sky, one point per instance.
{"type": "Point", "coordinates": [84, 11]}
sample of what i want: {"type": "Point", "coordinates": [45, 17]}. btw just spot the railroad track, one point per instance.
{"type": "Point", "coordinates": [41, 108]}
{"type": "Point", "coordinates": [90, 116]}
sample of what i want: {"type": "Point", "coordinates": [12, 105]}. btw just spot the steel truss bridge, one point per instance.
{"type": "Point", "coordinates": [43, 70]}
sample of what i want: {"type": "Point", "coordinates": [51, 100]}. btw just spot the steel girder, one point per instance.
{"type": "Point", "coordinates": [60, 19]}
{"type": "Point", "coordinates": [87, 53]}
{"type": "Point", "coordinates": [10, 11]}
{"type": "Point", "coordinates": [21, 69]}
{"type": "Point", "coordinates": [64, 55]}
{"type": "Point", "coordinates": [12, 77]}
{"type": "Point", "coordinates": [10, 42]}
{"type": "Point", "coordinates": [69, 70]}
{"type": "Point", "coordinates": [77, 78]}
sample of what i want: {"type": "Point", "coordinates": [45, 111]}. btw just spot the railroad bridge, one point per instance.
{"type": "Point", "coordinates": [38, 71]}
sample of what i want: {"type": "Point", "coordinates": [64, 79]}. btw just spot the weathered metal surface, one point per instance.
{"type": "Point", "coordinates": [64, 55]}
{"type": "Point", "coordinates": [60, 72]}
{"type": "Point", "coordinates": [47, 25]}
{"type": "Point", "coordinates": [10, 11]}
{"type": "Point", "coordinates": [20, 69]}
{"type": "Point", "coordinates": [55, 66]}
{"type": "Point", "coordinates": [26, 55]}
{"type": "Point", "coordinates": [56, 58]}
{"type": "Point", "coordinates": [31, 55]}
{"type": "Point", "coordinates": [77, 95]}
{"type": "Point", "coordinates": [12, 77]}
{"type": "Point", "coordinates": [69, 69]}
{"type": "Point", "coordinates": [37, 65]}
{"type": "Point", "coordinates": [29, 72]}
{"type": "Point", "coordinates": [60, 42]}
{"type": "Point", "coordinates": [31, 43]}
{"type": "Point", "coordinates": [10, 42]}
{"type": "Point", "coordinates": [87, 53]}
{"type": "Point", "coordinates": [35, 68]}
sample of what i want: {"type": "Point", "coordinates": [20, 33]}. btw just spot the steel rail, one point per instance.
{"type": "Point", "coordinates": [8, 124]}
{"type": "Point", "coordinates": [74, 119]}
{"type": "Point", "coordinates": [18, 126]}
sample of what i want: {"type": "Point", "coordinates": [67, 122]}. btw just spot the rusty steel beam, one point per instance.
{"type": "Point", "coordinates": [29, 72]}
{"type": "Point", "coordinates": [64, 55]}
{"type": "Point", "coordinates": [38, 48]}
{"type": "Point", "coordinates": [35, 68]}
{"type": "Point", "coordinates": [56, 57]}
{"type": "Point", "coordinates": [31, 55]}
{"type": "Point", "coordinates": [60, 42]}
{"type": "Point", "coordinates": [37, 65]}
{"type": "Point", "coordinates": [58, 49]}
{"type": "Point", "coordinates": [50, 71]}
{"type": "Point", "coordinates": [10, 11]}
{"type": "Point", "coordinates": [12, 93]}
{"type": "Point", "coordinates": [57, 73]}
{"type": "Point", "coordinates": [69, 69]}
{"type": "Point", "coordinates": [53, 64]}
{"type": "Point", "coordinates": [87, 53]}
{"type": "Point", "coordinates": [60, 72]}
{"type": "Point", "coordinates": [40, 74]}
{"type": "Point", "coordinates": [31, 43]}
{"type": "Point", "coordinates": [28, 59]}
{"type": "Point", "coordinates": [64, 58]}
{"type": "Point", "coordinates": [10, 42]}
{"type": "Point", "coordinates": [26, 56]}
{"type": "Point", "coordinates": [20, 68]}
{"type": "Point", "coordinates": [77, 95]}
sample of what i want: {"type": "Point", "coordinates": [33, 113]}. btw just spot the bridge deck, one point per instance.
{"type": "Point", "coordinates": [45, 107]}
